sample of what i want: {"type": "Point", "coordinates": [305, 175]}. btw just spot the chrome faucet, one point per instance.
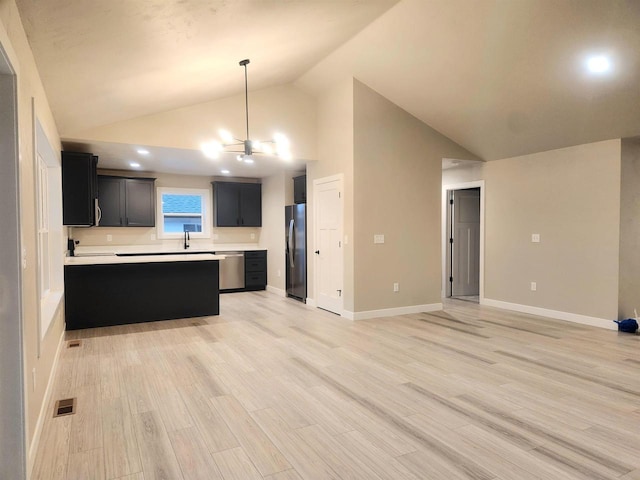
{"type": "Point", "coordinates": [186, 239]}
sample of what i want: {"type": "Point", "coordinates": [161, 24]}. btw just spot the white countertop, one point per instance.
{"type": "Point", "coordinates": [113, 259]}
{"type": "Point", "coordinates": [173, 248]}
{"type": "Point", "coordinates": [107, 254]}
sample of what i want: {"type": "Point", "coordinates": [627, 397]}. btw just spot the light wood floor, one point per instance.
{"type": "Point", "coordinates": [272, 389]}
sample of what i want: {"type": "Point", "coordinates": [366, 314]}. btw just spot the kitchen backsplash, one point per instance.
{"type": "Point", "coordinates": [147, 236]}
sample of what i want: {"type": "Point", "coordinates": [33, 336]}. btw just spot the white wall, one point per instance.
{"type": "Point", "coordinates": [30, 92]}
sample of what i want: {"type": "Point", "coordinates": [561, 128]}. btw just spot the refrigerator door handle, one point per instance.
{"type": "Point", "coordinates": [290, 242]}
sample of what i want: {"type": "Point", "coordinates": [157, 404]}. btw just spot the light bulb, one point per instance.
{"type": "Point", "coordinates": [225, 135]}
{"type": "Point", "coordinates": [248, 160]}
{"type": "Point", "coordinates": [211, 149]}
{"type": "Point", "coordinates": [282, 142]}
{"type": "Point", "coordinates": [239, 158]}
{"type": "Point", "coordinates": [599, 64]}
{"type": "Point", "coordinates": [142, 151]}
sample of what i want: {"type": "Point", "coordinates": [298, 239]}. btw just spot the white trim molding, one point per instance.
{"type": "Point", "coordinates": [311, 302]}
{"type": "Point", "coordinates": [276, 291]}
{"type": "Point", "coordinates": [555, 314]}
{"type": "Point", "coordinates": [44, 408]}
{"type": "Point", "coordinates": [391, 312]}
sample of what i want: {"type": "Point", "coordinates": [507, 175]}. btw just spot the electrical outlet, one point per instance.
{"type": "Point", "coordinates": [253, 236]}
{"type": "Point", "coordinates": [378, 238]}
{"type": "Point", "coordinates": [396, 287]}
{"type": "Point", "coordinates": [534, 286]}
{"type": "Point", "coordinates": [535, 238]}
{"type": "Point", "coordinates": [109, 238]}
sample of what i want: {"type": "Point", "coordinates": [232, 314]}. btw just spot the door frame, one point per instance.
{"type": "Point", "coordinates": [446, 287]}
{"type": "Point", "coordinates": [316, 182]}
{"type": "Point", "coordinates": [13, 442]}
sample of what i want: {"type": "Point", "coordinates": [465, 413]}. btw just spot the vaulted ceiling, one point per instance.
{"type": "Point", "coordinates": [499, 77]}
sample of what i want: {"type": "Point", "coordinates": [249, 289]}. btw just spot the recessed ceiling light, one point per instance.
{"type": "Point", "coordinates": [224, 171]}
{"type": "Point", "coordinates": [598, 64]}
{"type": "Point", "coordinates": [142, 151]}
{"type": "Point", "coordinates": [134, 164]}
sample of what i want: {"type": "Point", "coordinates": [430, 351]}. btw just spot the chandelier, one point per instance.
{"type": "Point", "coordinates": [278, 146]}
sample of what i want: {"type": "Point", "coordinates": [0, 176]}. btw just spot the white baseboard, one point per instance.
{"type": "Point", "coordinates": [311, 302]}
{"type": "Point", "coordinates": [555, 314]}
{"type": "Point", "coordinates": [391, 312]}
{"type": "Point", "coordinates": [278, 291]}
{"type": "Point", "coordinates": [33, 447]}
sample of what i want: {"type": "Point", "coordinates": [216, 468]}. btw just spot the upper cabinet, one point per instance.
{"type": "Point", "coordinates": [300, 189]}
{"type": "Point", "coordinates": [237, 204]}
{"type": "Point", "coordinates": [126, 202]}
{"type": "Point", "coordinates": [79, 189]}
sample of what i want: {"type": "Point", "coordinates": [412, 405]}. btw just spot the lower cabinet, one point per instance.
{"type": "Point", "coordinates": [255, 270]}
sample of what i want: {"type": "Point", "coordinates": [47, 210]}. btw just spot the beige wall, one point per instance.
{"type": "Point", "coordinates": [397, 193]}
{"type": "Point", "coordinates": [571, 197]}
{"type": "Point", "coordinates": [14, 41]}
{"type": "Point", "coordinates": [629, 278]}
{"type": "Point", "coordinates": [277, 192]}
{"type": "Point", "coordinates": [147, 235]}
{"type": "Point", "coordinates": [335, 156]}
{"type": "Point", "coordinates": [272, 235]}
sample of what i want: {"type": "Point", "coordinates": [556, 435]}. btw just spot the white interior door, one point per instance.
{"type": "Point", "coordinates": [465, 253]}
{"type": "Point", "coordinates": [328, 252]}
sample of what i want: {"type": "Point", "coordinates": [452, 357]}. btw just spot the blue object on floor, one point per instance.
{"type": "Point", "coordinates": [629, 325]}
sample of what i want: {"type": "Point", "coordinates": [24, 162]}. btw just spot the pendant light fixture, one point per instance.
{"type": "Point", "coordinates": [278, 146]}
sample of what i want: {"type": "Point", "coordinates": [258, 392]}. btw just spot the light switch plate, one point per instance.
{"type": "Point", "coordinates": [378, 238]}
{"type": "Point", "coordinates": [535, 237]}
{"type": "Point", "coordinates": [534, 286]}
{"type": "Point", "coordinates": [109, 238]}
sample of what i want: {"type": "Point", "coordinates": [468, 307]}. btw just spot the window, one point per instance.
{"type": "Point", "coordinates": [49, 229]}
{"type": "Point", "coordinates": [183, 210]}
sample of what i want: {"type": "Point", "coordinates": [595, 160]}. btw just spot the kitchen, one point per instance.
{"type": "Point", "coordinates": [127, 220]}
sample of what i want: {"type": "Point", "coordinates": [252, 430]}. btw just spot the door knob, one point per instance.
{"type": "Point", "coordinates": [317, 252]}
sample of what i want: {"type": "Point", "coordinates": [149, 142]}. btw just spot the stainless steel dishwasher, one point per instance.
{"type": "Point", "coordinates": [231, 270]}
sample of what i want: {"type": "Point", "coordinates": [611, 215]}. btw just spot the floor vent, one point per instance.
{"type": "Point", "coordinates": [73, 343]}
{"type": "Point", "coordinates": [65, 407]}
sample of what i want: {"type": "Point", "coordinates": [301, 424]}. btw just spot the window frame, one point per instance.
{"type": "Point", "coordinates": [205, 195]}
{"type": "Point", "coordinates": [49, 231]}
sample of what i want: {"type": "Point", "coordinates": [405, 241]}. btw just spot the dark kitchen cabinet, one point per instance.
{"type": "Point", "coordinates": [300, 189]}
{"type": "Point", "coordinates": [79, 188]}
{"type": "Point", "coordinates": [255, 270]}
{"type": "Point", "coordinates": [126, 202]}
{"type": "Point", "coordinates": [237, 204]}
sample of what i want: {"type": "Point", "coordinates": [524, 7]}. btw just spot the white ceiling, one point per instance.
{"type": "Point", "coordinates": [499, 77]}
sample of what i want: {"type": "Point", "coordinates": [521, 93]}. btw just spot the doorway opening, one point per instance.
{"type": "Point", "coordinates": [463, 207]}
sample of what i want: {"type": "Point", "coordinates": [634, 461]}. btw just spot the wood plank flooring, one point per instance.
{"type": "Point", "coordinates": [272, 389]}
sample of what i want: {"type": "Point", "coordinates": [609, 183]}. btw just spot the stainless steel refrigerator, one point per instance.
{"type": "Point", "coordinates": [296, 251]}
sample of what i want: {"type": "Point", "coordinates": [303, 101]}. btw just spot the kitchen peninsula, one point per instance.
{"type": "Point", "coordinates": [104, 290]}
